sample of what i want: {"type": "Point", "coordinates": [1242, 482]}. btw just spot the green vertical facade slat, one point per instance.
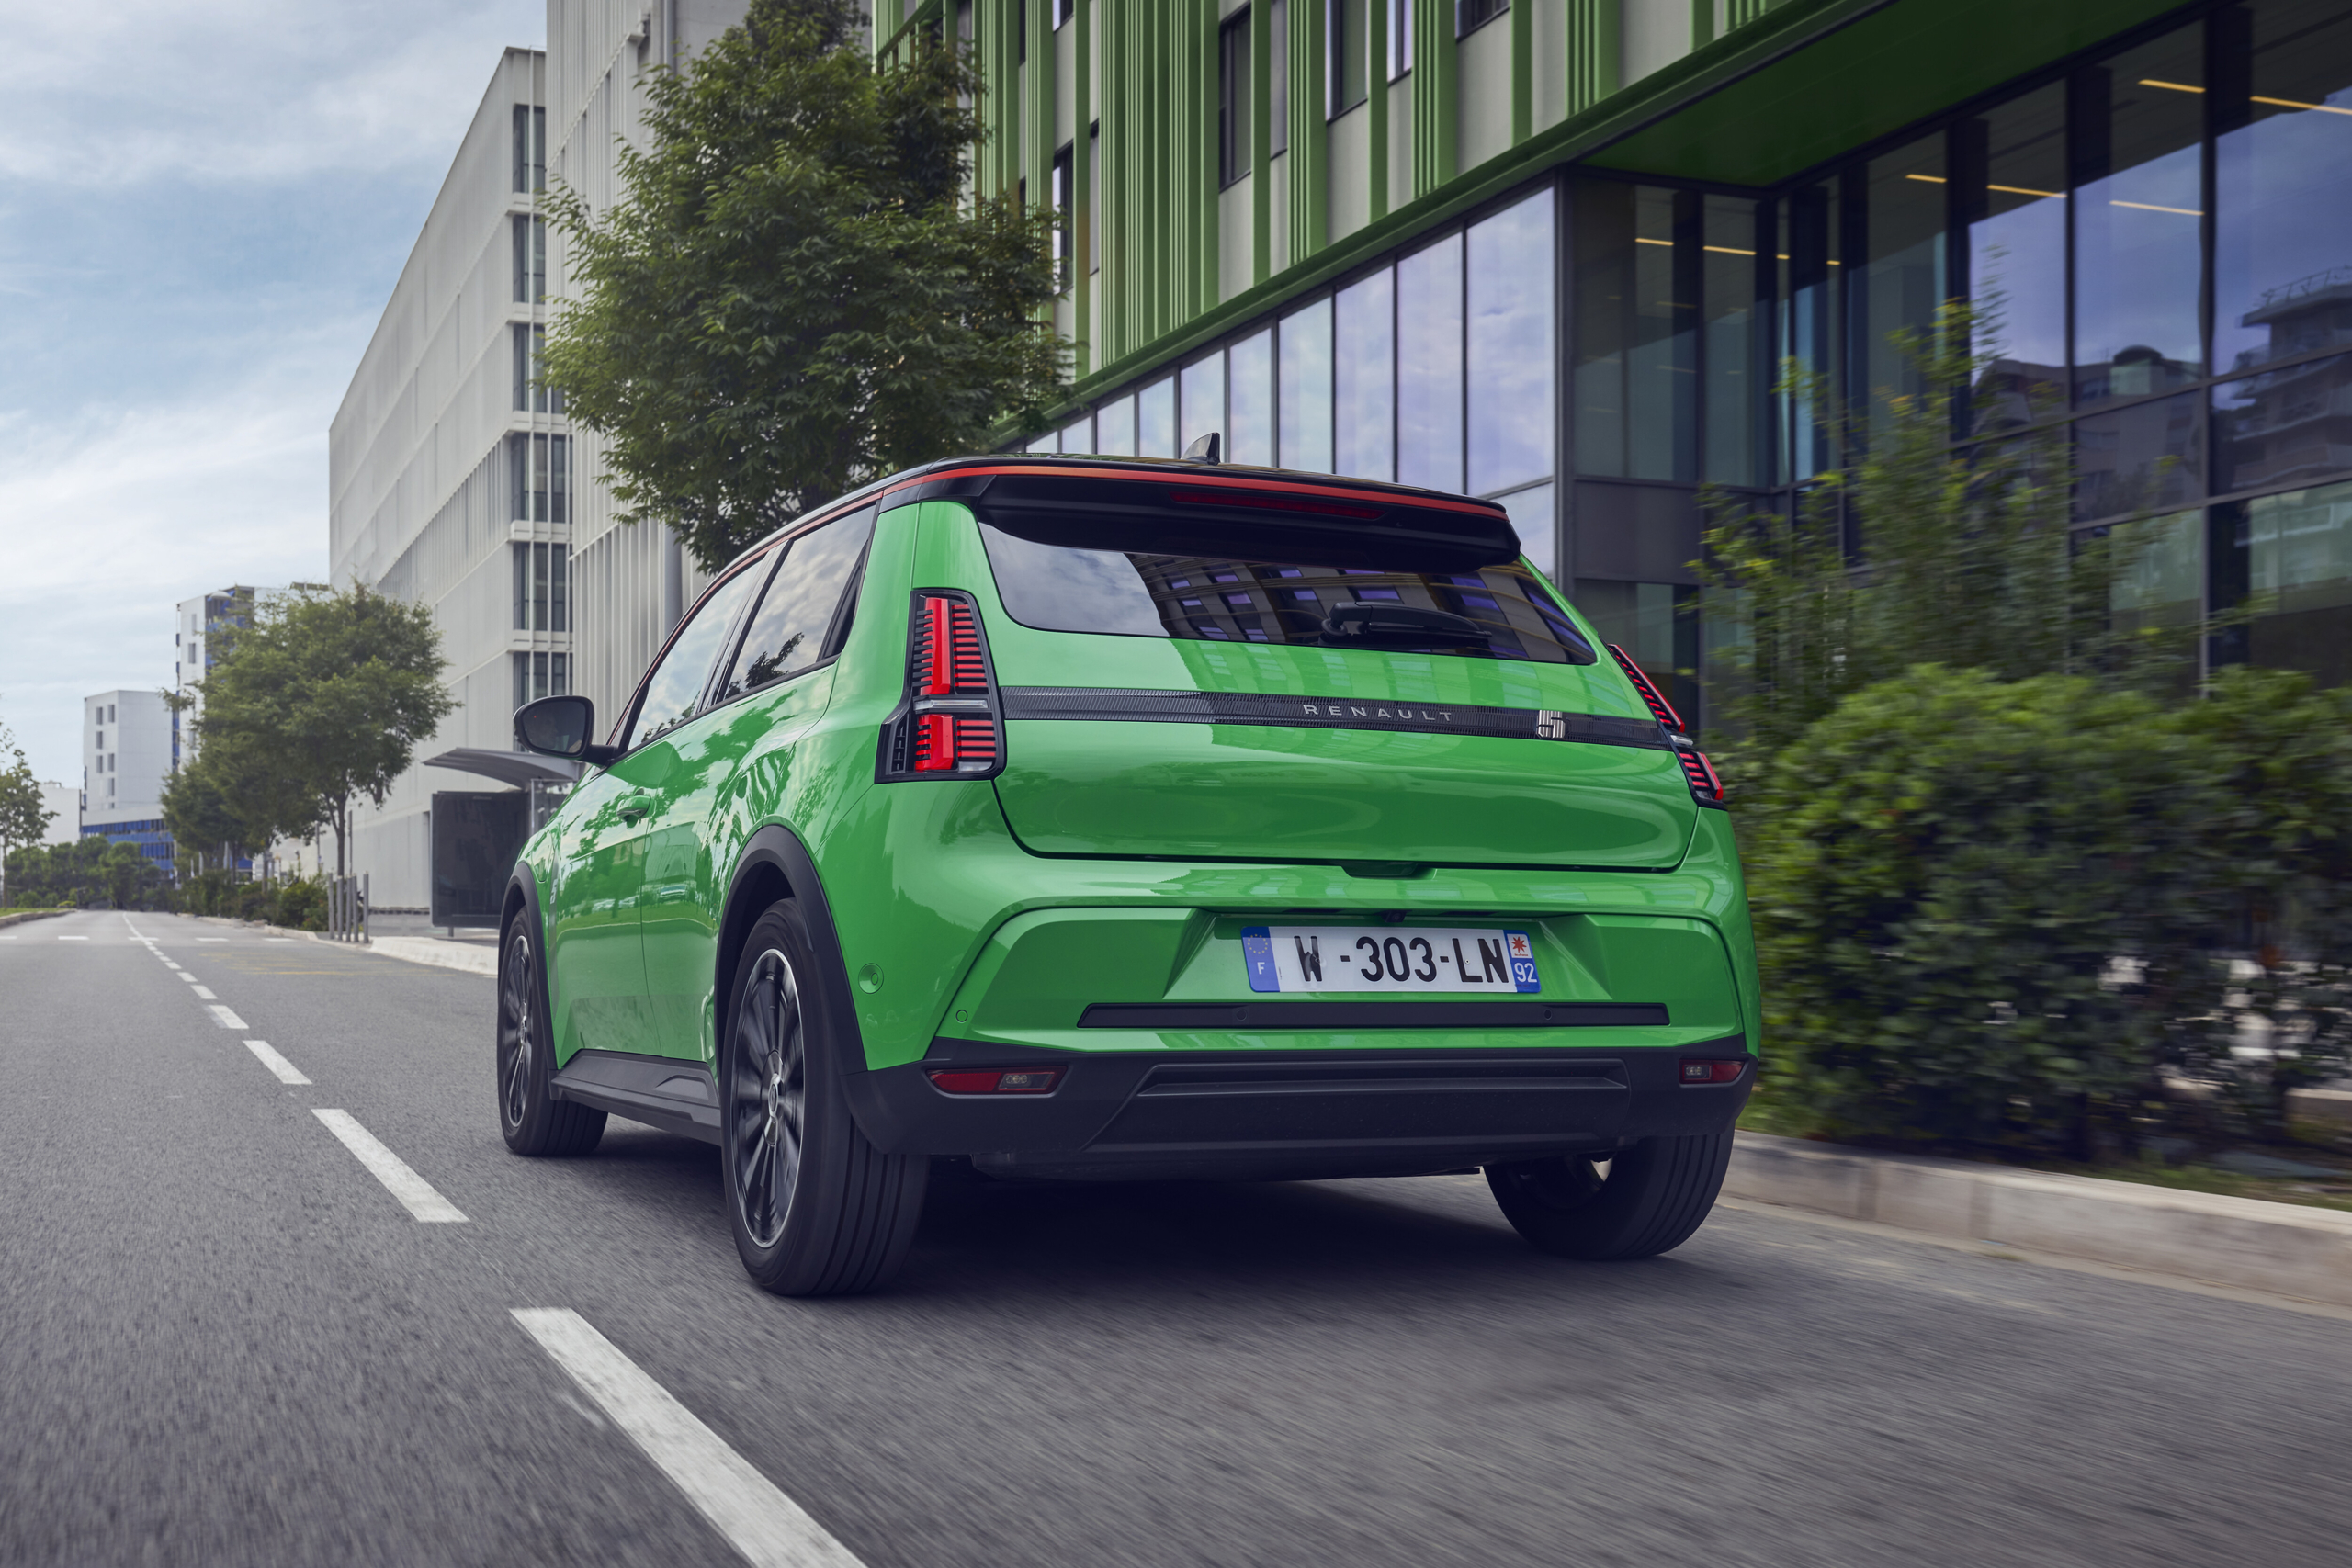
{"type": "Point", "coordinates": [1001, 108]}
{"type": "Point", "coordinates": [1435, 129]}
{"type": "Point", "coordinates": [1188, 200]}
{"type": "Point", "coordinates": [1522, 71]}
{"type": "Point", "coordinates": [1739, 13]}
{"type": "Point", "coordinates": [1376, 79]}
{"type": "Point", "coordinates": [1702, 23]}
{"type": "Point", "coordinates": [1080, 248]}
{"type": "Point", "coordinates": [1261, 142]}
{"type": "Point", "coordinates": [1310, 147]}
{"type": "Point", "coordinates": [1595, 47]}
{"type": "Point", "coordinates": [1037, 105]}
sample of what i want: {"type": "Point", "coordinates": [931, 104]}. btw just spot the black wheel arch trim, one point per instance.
{"type": "Point", "coordinates": [775, 852]}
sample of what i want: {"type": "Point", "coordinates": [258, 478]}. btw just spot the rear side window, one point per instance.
{"type": "Point", "coordinates": [795, 626]}
{"type": "Point", "coordinates": [674, 690]}
{"type": "Point", "coordinates": [1488, 612]}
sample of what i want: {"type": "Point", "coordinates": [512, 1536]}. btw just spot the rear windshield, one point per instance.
{"type": "Point", "coordinates": [1493, 612]}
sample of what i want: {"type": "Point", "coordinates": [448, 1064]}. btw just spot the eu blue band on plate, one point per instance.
{"type": "Point", "coordinates": [1258, 954]}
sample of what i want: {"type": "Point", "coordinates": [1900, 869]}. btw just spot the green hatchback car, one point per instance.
{"type": "Point", "coordinates": [1112, 820]}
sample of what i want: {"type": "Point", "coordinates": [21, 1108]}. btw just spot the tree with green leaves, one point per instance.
{"type": "Point", "coordinates": [24, 815]}
{"type": "Point", "coordinates": [797, 293]}
{"type": "Point", "coordinates": [321, 701]}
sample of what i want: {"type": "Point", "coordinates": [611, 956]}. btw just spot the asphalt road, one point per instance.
{"type": "Point", "coordinates": [223, 1340]}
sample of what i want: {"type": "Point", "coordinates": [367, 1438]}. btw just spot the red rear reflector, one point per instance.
{"type": "Point", "coordinates": [1660, 709]}
{"type": "Point", "coordinates": [1707, 1072]}
{"type": "Point", "coordinates": [1272, 501]}
{"type": "Point", "coordinates": [1027, 1080]}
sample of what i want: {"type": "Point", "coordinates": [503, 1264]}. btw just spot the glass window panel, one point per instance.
{"type": "Point", "coordinates": [1156, 420]}
{"type": "Point", "coordinates": [1511, 355]}
{"type": "Point", "coordinates": [1250, 402]}
{"type": "Point", "coordinates": [2163, 580]}
{"type": "Point", "coordinates": [1429, 366]}
{"type": "Point", "coordinates": [1049, 442]}
{"type": "Point", "coordinates": [676, 685]}
{"type": "Point", "coordinates": [1810, 329]}
{"type": "Point", "coordinates": [1901, 281]}
{"type": "Point", "coordinates": [1364, 350]}
{"type": "Point", "coordinates": [521, 588]}
{"type": "Point", "coordinates": [2282, 253]}
{"type": "Point", "coordinates": [2295, 551]}
{"type": "Point", "coordinates": [2286, 426]}
{"type": "Point", "coordinates": [1079, 436]}
{"type": "Point", "coordinates": [2146, 458]}
{"type": "Point", "coordinates": [1114, 428]}
{"type": "Point", "coordinates": [787, 634]}
{"type": "Point", "coordinates": [2139, 203]}
{"type": "Point", "coordinates": [1637, 373]}
{"type": "Point", "coordinates": [1735, 354]}
{"type": "Point", "coordinates": [540, 589]}
{"type": "Point", "coordinates": [562, 571]}
{"type": "Point", "coordinates": [1201, 403]}
{"type": "Point", "coordinates": [558, 477]}
{"type": "Point", "coordinates": [2010, 163]}
{"type": "Point", "coordinates": [1658, 626]}
{"type": "Point", "coordinates": [1306, 388]}
{"type": "Point", "coordinates": [1534, 516]}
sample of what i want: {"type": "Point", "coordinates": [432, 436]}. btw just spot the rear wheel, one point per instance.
{"type": "Point", "coordinates": [817, 1210]}
{"type": "Point", "coordinates": [1650, 1200]}
{"type": "Point", "coordinates": [534, 1119]}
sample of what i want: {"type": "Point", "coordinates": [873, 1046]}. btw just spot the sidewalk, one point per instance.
{"type": "Point", "coordinates": [2284, 1248]}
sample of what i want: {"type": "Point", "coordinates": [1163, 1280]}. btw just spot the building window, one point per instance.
{"type": "Point", "coordinates": [1510, 347]}
{"type": "Point", "coordinates": [1469, 15]}
{"type": "Point", "coordinates": [1400, 38]}
{"type": "Point", "coordinates": [542, 587]}
{"type": "Point", "coordinates": [531, 394]}
{"type": "Point", "coordinates": [541, 466]}
{"type": "Point", "coordinates": [1063, 217]}
{"type": "Point", "coordinates": [1233, 98]}
{"type": "Point", "coordinates": [1094, 198]}
{"type": "Point", "coordinates": [530, 148]}
{"type": "Point", "coordinates": [530, 260]}
{"type": "Point", "coordinates": [1429, 366]}
{"type": "Point", "coordinates": [1304, 389]}
{"type": "Point", "coordinates": [1346, 32]}
{"type": "Point", "coordinates": [1063, 11]}
{"type": "Point", "coordinates": [1278, 77]}
{"type": "Point", "coordinates": [541, 675]}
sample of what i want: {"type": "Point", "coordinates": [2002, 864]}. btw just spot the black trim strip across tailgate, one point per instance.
{"type": "Point", "coordinates": [1225, 1017]}
{"type": "Point", "coordinates": [1101, 704]}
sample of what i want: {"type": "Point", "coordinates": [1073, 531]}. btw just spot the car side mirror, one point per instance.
{"type": "Point", "coordinates": [559, 726]}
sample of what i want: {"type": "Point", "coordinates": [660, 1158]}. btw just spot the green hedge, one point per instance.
{"type": "Point", "coordinates": [2004, 913]}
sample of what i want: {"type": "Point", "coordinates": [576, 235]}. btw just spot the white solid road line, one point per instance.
{"type": "Point", "coordinates": [769, 1528]}
{"type": "Point", "coordinates": [414, 1192]}
{"type": "Point", "coordinates": [224, 1018]}
{"type": "Point", "coordinates": [287, 1071]}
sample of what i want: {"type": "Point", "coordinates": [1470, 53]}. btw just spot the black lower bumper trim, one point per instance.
{"type": "Point", "coordinates": [1296, 1113]}
{"type": "Point", "coordinates": [1226, 1017]}
{"type": "Point", "coordinates": [661, 1092]}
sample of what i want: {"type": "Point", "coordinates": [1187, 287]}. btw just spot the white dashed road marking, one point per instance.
{"type": "Point", "coordinates": [287, 1071]}
{"type": "Point", "coordinates": [212, 939]}
{"type": "Point", "coordinates": [414, 1192]}
{"type": "Point", "coordinates": [73, 939]}
{"type": "Point", "coordinates": [224, 1018]}
{"type": "Point", "coordinates": [205, 994]}
{"type": "Point", "coordinates": [769, 1528]}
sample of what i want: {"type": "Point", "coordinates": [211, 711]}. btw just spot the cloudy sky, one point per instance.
{"type": "Point", "coordinates": [203, 209]}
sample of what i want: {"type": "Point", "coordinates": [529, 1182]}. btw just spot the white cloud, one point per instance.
{"type": "Point", "coordinates": [137, 90]}
{"type": "Point", "coordinates": [111, 516]}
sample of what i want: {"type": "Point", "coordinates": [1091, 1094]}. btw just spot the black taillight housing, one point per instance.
{"type": "Point", "coordinates": [948, 724]}
{"type": "Point", "coordinates": [1699, 774]}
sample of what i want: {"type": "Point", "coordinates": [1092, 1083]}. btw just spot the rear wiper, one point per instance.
{"type": "Point", "coordinates": [1357, 623]}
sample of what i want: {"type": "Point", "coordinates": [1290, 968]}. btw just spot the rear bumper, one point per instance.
{"type": "Point", "coordinates": [1271, 1114]}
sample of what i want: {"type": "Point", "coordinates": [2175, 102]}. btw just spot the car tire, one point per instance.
{"type": "Point", "coordinates": [534, 1121]}
{"type": "Point", "coordinates": [817, 1210]}
{"type": "Point", "coordinates": [1650, 1200]}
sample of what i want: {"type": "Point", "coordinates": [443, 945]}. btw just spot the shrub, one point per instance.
{"type": "Point", "coordinates": [302, 904]}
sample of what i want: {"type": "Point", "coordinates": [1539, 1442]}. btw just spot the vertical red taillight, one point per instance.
{"type": "Point", "coordinates": [1699, 774]}
{"type": "Point", "coordinates": [948, 723]}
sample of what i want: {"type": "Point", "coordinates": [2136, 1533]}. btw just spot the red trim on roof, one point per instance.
{"type": "Point", "coordinates": [1206, 475]}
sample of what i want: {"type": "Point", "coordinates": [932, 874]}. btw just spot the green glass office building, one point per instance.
{"type": "Point", "coordinates": [1556, 252]}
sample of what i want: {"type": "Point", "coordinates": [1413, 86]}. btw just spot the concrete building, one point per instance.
{"type": "Point", "coordinates": [63, 803]}
{"type": "Point", "coordinates": [126, 756]}
{"type": "Point", "coordinates": [197, 646]}
{"type": "Point", "coordinates": [632, 583]}
{"type": "Point", "coordinates": [451, 472]}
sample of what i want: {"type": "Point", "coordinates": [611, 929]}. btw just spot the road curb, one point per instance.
{"type": "Point", "coordinates": [2242, 1242]}
{"type": "Point", "coordinates": [467, 957]}
{"type": "Point", "coordinates": [20, 916]}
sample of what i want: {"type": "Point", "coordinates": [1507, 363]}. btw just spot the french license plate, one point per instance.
{"type": "Point", "coordinates": [1406, 960]}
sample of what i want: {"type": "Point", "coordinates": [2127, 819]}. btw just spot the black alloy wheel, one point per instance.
{"type": "Point", "coordinates": [816, 1209]}
{"type": "Point", "coordinates": [531, 1119]}
{"type": "Point", "coordinates": [1650, 1200]}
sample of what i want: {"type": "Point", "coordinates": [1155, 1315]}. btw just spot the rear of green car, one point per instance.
{"type": "Point", "coordinates": [1162, 821]}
